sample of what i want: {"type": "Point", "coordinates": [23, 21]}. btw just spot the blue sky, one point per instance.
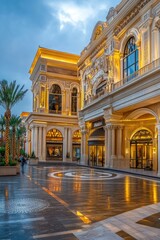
{"type": "Point", "coordinates": [64, 25]}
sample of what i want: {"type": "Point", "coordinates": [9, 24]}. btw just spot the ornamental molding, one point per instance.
{"type": "Point", "coordinates": [130, 16]}
{"type": "Point", "coordinates": [157, 25]}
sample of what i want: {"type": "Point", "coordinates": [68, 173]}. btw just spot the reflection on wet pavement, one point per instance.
{"type": "Point", "coordinates": [56, 202]}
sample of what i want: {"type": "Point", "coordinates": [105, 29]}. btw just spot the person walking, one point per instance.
{"type": "Point", "coordinates": [22, 160]}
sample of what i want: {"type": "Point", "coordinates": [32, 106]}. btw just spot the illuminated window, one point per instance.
{"type": "Point", "coordinates": [55, 99]}
{"type": "Point", "coordinates": [74, 101]}
{"type": "Point", "coordinates": [130, 60]}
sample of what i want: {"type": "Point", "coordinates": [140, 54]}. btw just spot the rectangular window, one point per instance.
{"type": "Point", "coordinates": [131, 59]}
{"type": "Point", "coordinates": [131, 69]}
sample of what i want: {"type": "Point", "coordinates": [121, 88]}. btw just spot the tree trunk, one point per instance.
{"type": "Point", "coordinates": [14, 144]}
{"type": "Point", "coordinates": [7, 119]}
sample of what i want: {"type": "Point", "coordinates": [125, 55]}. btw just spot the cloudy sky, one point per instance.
{"type": "Point", "coordinates": [64, 25]}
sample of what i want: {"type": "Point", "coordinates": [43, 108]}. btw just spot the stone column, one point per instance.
{"type": "Point", "coordinates": [84, 149]}
{"type": "Point", "coordinates": [43, 144]}
{"type": "Point", "coordinates": [40, 144]}
{"type": "Point", "coordinates": [64, 102]}
{"type": "Point", "coordinates": [29, 142]}
{"type": "Point", "coordinates": [69, 143]}
{"type": "Point", "coordinates": [113, 154]}
{"type": "Point", "coordinates": [65, 144]}
{"type": "Point", "coordinates": [119, 142]}
{"type": "Point", "coordinates": [109, 147]}
{"type": "Point", "coordinates": [47, 101]}
{"type": "Point", "coordinates": [155, 44]}
{"type": "Point", "coordinates": [36, 141]}
{"type": "Point", "coordinates": [78, 102]}
{"type": "Point", "coordinates": [158, 126]}
{"type": "Point", "coordinates": [121, 62]}
{"type": "Point", "coordinates": [106, 162]}
{"type": "Point", "coordinates": [32, 138]}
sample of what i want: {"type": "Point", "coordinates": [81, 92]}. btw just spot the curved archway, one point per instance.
{"type": "Point", "coordinates": [142, 111]}
{"type": "Point", "coordinates": [141, 145]}
{"type": "Point", "coordinates": [54, 144]}
{"type": "Point", "coordinates": [133, 32]}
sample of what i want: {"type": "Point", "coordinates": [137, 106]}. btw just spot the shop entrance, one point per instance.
{"type": "Point", "coordinates": [96, 148]}
{"type": "Point", "coordinates": [54, 145]}
{"type": "Point", "coordinates": [141, 146]}
{"type": "Point", "coordinates": [76, 146]}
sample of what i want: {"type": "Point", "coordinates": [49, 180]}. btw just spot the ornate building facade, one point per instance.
{"type": "Point", "coordinates": [117, 121]}
{"type": "Point", "coordinates": [52, 128]}
{"type": "Point", "coordinates": [120, 78]}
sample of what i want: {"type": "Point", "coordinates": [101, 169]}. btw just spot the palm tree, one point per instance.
{"type": "Point", "coordinates": [10, 94]}
{"type": "Point", "coordinates": [20, 135]}
{"type": "Point", "coordinates": [2, 125]}
{"type": "Point", "coordinates": [15, 121]}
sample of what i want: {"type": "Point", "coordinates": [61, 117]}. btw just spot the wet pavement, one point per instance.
{"type": "Point", "coordinates": [73, 202]}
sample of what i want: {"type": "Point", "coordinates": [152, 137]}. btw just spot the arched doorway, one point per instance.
{"type": "Point", "coordinates": [96, 148]}
{"type": "Point", "coordinates": [141, 145]}
{"type": "Point", "coordinates": [76, 145]}
{"type": "Point", "coordinates": [54, 145]}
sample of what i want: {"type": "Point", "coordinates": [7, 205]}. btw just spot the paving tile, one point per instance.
{"type": "Point", "coordinates": [35, 204]}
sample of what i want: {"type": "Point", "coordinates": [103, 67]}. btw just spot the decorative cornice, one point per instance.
{"type": "Point", "coordinates": [130, 16]}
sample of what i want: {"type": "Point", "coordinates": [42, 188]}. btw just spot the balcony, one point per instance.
{"type": "Point", "coordinates": [148, 69]}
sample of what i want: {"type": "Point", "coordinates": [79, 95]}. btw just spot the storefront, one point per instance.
{"type": "Point", "coordinates": [96, 148]}
{"type": "Point", "coordinates": [54, 145]}
{"type": "Point", "coordinates": [76, 146]}
{"type": "Point", "coordinates": [141, 146]}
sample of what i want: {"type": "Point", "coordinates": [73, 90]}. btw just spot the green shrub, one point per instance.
{"type": "Point", "coordinates": [2, 151]}
{"type": "Point", "coordinates": [2, 163]}
{"type": "Point", "coordinates": [12, 163]}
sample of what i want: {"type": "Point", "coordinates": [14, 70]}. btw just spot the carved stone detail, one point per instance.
{"type": "Point", "coordinates": [130, 16]}
{"type": "Point", "coordinates": [158, 24]}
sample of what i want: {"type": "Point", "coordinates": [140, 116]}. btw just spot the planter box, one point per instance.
{"type": "Point", "coordinates": [18, 168]}
{"type": "Point", "coordinates": [8, 170]}
{"type": "Point", "coordinates": [33, 161]}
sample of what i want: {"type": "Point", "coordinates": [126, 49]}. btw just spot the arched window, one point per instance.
{"type": "Point", "coordinates": [74, 101]}
{"type": "Point", "coordinates": [130, 60]}
{"type": "Point", "coordinates": [55, 99]}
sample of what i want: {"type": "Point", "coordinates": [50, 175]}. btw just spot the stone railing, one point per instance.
{"type": "Point", "coordinates": [146, 69]}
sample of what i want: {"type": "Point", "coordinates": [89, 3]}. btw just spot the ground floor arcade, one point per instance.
{"type": "Point", "coordinates": [131, 140]}
{"type": "Point", "coordinates": [123, 141]}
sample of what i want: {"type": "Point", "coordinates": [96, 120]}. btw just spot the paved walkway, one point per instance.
{"type": "Point", "coordinates": [75, 202]}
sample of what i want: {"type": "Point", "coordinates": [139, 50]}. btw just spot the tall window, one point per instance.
{"type": "Point", "coordinates": [74, 101]}
{"type": "Point", "coordinates": [130, 60]}
{"type": "Point", "coordinates": [55, 99]}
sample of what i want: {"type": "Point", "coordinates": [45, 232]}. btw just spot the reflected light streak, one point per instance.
{"type": "Point", "coordinates": [83, 217]}
{"type": "Point", "coordinates": [6, 193]}
{"type": "Point", "coordinates": [56, 186]}
{"type": "Point", "coordinates": [127, 189]}
{"type": "Point", "coordinates": [108, 202]}
{"type": "Point", "coordinates": [155, 195]}
{"type": "Point", "coordinates": [77, 187]}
